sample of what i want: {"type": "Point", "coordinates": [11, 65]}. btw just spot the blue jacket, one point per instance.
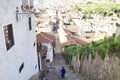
{"type": "Point", "coordinates": [63, 71]}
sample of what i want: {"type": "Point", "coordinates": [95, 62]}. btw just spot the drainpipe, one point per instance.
{"type": "Point", "coordinates": [38, 55]}
{"type": "Point", "coordinates": [38, 62]}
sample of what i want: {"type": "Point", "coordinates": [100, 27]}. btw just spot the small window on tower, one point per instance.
{"type": "Point", "coordinates": [21, 67]}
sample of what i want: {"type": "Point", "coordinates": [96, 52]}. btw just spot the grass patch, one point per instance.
{"type": "Point", "coordinates": [103, 9]}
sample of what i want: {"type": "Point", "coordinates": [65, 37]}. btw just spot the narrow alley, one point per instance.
{"type": "Point", "coordinates": [54, 70]}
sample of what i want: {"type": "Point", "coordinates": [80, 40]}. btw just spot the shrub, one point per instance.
{"type": "Point", "coordinates": [107, 46]}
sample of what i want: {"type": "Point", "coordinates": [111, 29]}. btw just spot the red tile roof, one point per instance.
{"type": "Point", "coordinates": [51, 23]}
{"type": "Point", "coordinates": [43, 37]}
{"type": "Point", "coordinates": [80, 41]}
{"type": "Point", "coordinates": [70, 30]}
{"type": "Point", "coordinates": [42, 19]}
{"type": "Point", "coordinates": [73, 40]}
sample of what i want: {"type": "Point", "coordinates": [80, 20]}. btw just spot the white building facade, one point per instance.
{"type": "Point", "coordinates": [49, 51]}
{"type": "Point", "coordinates": [18, 55]}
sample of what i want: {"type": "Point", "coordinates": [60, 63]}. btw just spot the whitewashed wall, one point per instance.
{"type": "Point", "coordinates": [23, 50]}
{"type": "Point", "coordinates": [49, 51]}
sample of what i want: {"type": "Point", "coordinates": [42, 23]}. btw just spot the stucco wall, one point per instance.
{"type": "Point", "coordinates": [49, 51]}
{"type": "Point", "coordinates": [23, 50]}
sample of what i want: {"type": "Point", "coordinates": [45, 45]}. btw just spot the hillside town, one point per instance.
{"type": "Point", "coordinates": [39, 37]}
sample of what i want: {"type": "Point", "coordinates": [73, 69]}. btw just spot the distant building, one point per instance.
{"type": "Point", "coordinates": [37, 2]}
{"type": "Point", "coordinates": [18, 55]}
{"type": "Point", "coordinates": [47, 39]}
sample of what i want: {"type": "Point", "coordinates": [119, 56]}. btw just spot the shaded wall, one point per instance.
{"type": "Point", "coordinates": [108, 69]}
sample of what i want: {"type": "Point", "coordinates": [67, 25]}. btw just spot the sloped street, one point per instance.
{"type": "Point", "coordinates": [54, 70]}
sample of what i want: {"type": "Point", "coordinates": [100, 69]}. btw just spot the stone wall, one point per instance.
{"type": "Point", "coordinates": [108, 69]}
{"type": "Point", "coordinates": [75, 63]}
{"type": "Point", "coordinates": [117, 31]}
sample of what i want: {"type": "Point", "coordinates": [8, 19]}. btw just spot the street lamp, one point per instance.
{"type": "Point", "coordinates": [38, 55]}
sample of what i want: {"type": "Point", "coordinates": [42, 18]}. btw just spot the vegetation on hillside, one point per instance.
{"type": "Point", "coordinates": [107, 46]}
{"type": "Point", "coordinates": [103, 9]}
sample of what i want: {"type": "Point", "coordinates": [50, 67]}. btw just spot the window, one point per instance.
{"type": "Point", "coordinates": [30, 26]}
{"type": "Point", "coordinates": [34, 44]}
{"type": "Point", "coordinates": [9, 38]}
{"type": "Point", "coordinates": [35, 66]}
{"type": "Point", "coordinates": [21, 67]}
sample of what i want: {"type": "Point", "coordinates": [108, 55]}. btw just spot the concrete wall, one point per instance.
{"type": "Point", "coordinates": [108, 69]}
{"type": "Point", "coordinates": [23, 50]}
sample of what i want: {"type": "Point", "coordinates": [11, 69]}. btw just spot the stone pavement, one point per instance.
{"type": "Point", "coordinates": [54, 70]}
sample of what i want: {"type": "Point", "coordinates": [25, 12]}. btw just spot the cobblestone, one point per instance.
{"type": "Point", "coordinates": [54, 70]}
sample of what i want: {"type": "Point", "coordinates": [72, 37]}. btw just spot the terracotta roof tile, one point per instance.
{"type": "Point", "coordinates": [51, 23]}
{"type": "Point", "coordinates": [45, 37]}
{"type": "Point", "coordinates": [80, 41]}
{"type": "Point", "coordinates": [42, 19]}
{"type": "Point", "coordinates": [70, 30]}
{"type": "Point", "coordinates": [74, 40]}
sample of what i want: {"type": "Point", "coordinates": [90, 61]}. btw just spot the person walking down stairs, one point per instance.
{"type": "Point", "coordinates": [63, 71]}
